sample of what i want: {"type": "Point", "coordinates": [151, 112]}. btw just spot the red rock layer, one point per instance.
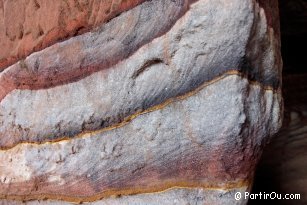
{"type": "Point", "coordinates": [28, 26]}
{"type": "Point", "coordinates": [222, 168]}
{"type": "Point", "coordinates": [73, 60]}
{"type": "Point", "coordinates": [218, 161]}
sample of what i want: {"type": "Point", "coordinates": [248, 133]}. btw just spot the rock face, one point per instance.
{"type": "Point", "coordinates": [283, 167]}
{"type": "Point", "coordinates": [32, 25]}
{"type": "Point", "coordinates": [170, 102]}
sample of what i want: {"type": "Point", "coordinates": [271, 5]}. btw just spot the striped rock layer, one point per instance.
{"type": "Point", "coordinates": [31, 25]}
{"type": "Point", "coordinates": [169, 102]}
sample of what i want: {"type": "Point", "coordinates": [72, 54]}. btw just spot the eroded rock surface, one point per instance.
{"type": "Point", "coordinates": [32, 25]}
{"type": "Point", "coordinates": [173, 96]}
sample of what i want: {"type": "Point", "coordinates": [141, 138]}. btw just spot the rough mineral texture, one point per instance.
{"type": "Point", "coordinates": [170, 102]}
{"type": "Point", "coordinates": [283, 166]}
{"type": "Point", "coordinates": [31, 25]}
{"type": "Point", "coordinates": [174, 197]}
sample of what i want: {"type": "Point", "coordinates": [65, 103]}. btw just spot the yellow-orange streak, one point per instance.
{"type": "Point", "coordinates": [151, 109]}
{"type": "Point", "coordinates": [167, 186]}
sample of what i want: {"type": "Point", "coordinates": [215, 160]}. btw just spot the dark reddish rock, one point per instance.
{"type": "Point", "coordinates": [32, 25]}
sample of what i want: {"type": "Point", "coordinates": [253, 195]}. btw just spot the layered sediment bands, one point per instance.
{"type": "Point", "coordinates": [165, 153]}
{"type": "Point", "coordinates": [174, 99]}
{"type": "Point", "coordinates": [31, 25]}
{"type": "Point", "coordinates": [177, 196]}
{"type": "Point", "coordinates": [134, 66]}
{"type": "Point", "coordinates": [83, 55]}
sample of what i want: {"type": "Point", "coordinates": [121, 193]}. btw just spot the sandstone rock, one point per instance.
{"type": "Point", "coordinates": [177, 196]}
{"type": "Point", "coordinates": [32, 25]}
{"type": "Point", "coordinates": [282, 168]}
{"type": "Point", "coordinates": [179, 98]}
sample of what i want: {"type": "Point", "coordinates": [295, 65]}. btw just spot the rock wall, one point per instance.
{"type": "Point", "coordinates": [32, 25]}
{"type": "Point", "coordinates": [282, 167]}
{"type": "Point", "coordinates": [169, 102]}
